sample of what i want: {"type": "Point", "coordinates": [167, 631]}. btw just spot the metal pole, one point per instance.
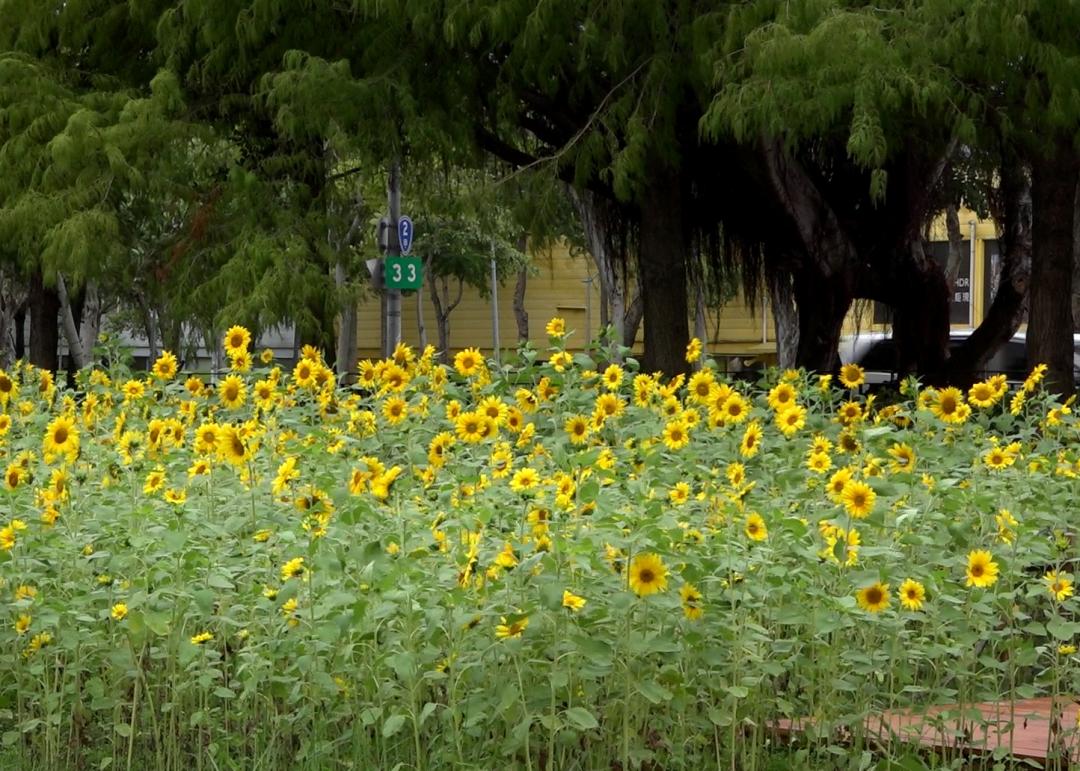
{"type": "Point", "coordinates": [494, 302]}
{"type": "Point", "coordinates": [393, 296]}
{"type": "Point", "coordinates": [971, 276]}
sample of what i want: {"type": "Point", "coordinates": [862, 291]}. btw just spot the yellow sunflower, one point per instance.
{"type": "Point", "coordinates": [165, 367]}
{"type": "Point", "coordinates": [982, 571]}
{"type": "Point", "coordinates": [912, 594]}
{"type": "Point", "coordinates": [524, 480]}
{"type": "Point", "coordinates": [852, 376]}
{"type": "Point", "coordinates": [232, 391]}
{"type": "Point", "coordinates": [577, 426]}
{"type": "Point", "coordinates": [984, 394]}
{"type": "Point", "coordinates": [1060, 585]}
{"type": "Point", "coordinates": [647, 575]}
{"type": "Point", "coordinates": [395, 410]}
{"type": "Point", "coordinates": [751, 440]}
{"type": "Point", "coordinates": [572, 601]}
{"type": "Point", "coordinates": [691, 601]}
{"type": "Point", "coordinates": [468, 362]}
{"type": "Point", "coordinates": [859, 499]}
{"type": "Point", "coordinates": [873, 598]}
{"type": "Point", "coordinates": [61, 438]}
{"type": "Point", "coordinates": [755, 527]}
{"type": "Point", "coordinates": [676, 434]}
{"type": "Point", "coordinates": [782, 396]}
{"type": "Point", "coordinates": [237, 340]}
{"type": "Point", "coordinates": [903, 458]}
{"type": "Point", "coordinates": [791, 419]}
{"type": "Point", "coordinates": [735, 409]}
{"type": "Point", "coordinates": [949, 406]}
{"type": "Point", "coordinates": [471, 427]}
{"type": "Point", "coordinates": [693, 350]}
{"type": "Point", "coordinates": [9, 389]}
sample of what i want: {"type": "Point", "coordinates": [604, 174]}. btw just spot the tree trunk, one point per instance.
{"type": "Point", "coordinates": [521, 315]}
{"type": "Point", "coordinates": [71, 330]}
{"type": "Point", "coordinates": [956, 245]}
{"type": "Point", "coordinates": [663, 245]}
{"type": "Point", "coordinates": [825, 281]}
{"type": "Point", "coordinates": [1050, 323]}
{"type": "Point", "coordinates": [44, 306]}
{"type": "Point", "coordinates": [346, 337]}
{"type": "Point", "coordinates": [150, 329]}
{"type": "Point", "coordinates": [632, 317]}
{"type": "Point", "coordinates": [700, 332]}
{"type": "Point", "coordinates": [1076, 262]}
{"type": "Point", "coordinates": [443, 309]}
{"type": "Point", "coordinates": [919, 295]}
{"type": "Point", "coordinates": [12, 303]}
{"type": "Point", "coordinates": [421, 327]}
{"type": "Point", "coordinates": [822, 303]}
{"type": "Point", "coordinates": [90, 323]}
{"type": "Point", "coordinates": [785, 318]}
{"type": "Point", "coordinates": [1009, 302]}
{"type": "Point", "coordinates": [20, 329]}
{"type": "Point", "coordinates": [595, 219]}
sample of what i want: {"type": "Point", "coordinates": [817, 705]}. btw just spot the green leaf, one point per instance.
{"type": "Point", "coordinates": [392, 725]}
{"type": "Point", "coordinates": [653, 691]}
{"type": "Point", "coordinates": [1060, 629]}
{"type": "Point", "coordinates": [581, 718]}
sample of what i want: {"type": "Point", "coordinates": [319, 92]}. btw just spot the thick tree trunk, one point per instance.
{"type": "Point", "coordinates": [44, 306]}
{"type": "Point", "coordinates": [824, 284]}
{"type": "Point", "coordinates": [823, 302]}
{"type": "Point", "coordinates": [1076, 262]}
{"type": "Point", "coordinates": [12, 303]}
{"type": "Point", "coordinates": [521, 315]}
{"type": "Point", "coordinates": [1050, 322]}
{"type": "Point", "coordinates": [785, 317]}
{"type": "Point", "coordinates": [20, 330]}
{"type": "Point", "coordinates": [663, 244]}
{"type": "Point", "coordinates": [1009, 303]}
{"type": "Point", "coordinates": [919, 295]}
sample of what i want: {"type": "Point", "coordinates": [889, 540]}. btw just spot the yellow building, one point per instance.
{"type": "Point", "coordinates": [566, 285]}
{"type": "Point", "coordinates": [560, 284]}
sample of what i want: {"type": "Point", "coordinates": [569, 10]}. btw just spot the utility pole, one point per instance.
{"type": "Point", "coordinates": [393, 247]}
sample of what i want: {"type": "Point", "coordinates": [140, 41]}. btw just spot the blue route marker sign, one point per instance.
{"type": "Point", "coordinates": [405, 234]}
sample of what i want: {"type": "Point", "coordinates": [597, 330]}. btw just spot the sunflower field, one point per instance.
{"type": "Point", "coordinates": [560, 564]}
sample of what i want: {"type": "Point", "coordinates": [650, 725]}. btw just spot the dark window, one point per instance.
{"type": "Point", "coordinates": [960, 302]}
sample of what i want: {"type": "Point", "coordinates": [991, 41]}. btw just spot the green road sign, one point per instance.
{"type": "Point", "coordinates": [403, 272]}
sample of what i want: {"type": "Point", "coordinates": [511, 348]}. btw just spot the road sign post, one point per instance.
{"type": "Point", "coordinates": [403, 272]}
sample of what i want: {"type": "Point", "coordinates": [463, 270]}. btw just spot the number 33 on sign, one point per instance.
{"type": "Point", "coordinates": [403, 272]}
